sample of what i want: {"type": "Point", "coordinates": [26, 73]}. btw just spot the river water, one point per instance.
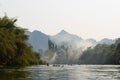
{"type": "Point", "coordinates": [63, 72]}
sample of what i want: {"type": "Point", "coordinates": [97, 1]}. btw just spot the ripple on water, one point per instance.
{"type": "Point", "coordinates": [66, 72]}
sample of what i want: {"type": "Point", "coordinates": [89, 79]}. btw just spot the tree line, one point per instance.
{"type": "Point", "coordinates": [102, 54]}
{"type": "Point", "coordinates": [14, 49]}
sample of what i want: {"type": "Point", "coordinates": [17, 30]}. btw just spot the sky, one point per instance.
{"type": "Point", "coordinates": [86, 18]}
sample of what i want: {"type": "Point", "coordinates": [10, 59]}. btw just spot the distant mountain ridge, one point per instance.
{"type": "Point", "coordinates": [64, 37]}
{"type": "Point", "coordinates": [107, 41]}
{"type": "Point", "coordinates": [39, 40]}
{"type": "Point", "coordinates": [62, 48]}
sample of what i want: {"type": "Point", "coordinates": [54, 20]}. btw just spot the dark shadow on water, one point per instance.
{"type": "Point", "coordinates": [14, 74]}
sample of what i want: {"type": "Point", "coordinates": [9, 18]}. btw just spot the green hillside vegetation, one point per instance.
{"type": "Point", "coordinates": [14, 50]}
{"type": "Point", "coordinates": [102, 54]}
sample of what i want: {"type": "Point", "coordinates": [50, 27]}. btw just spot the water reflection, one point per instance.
{"type": "Point", "coordinates": [104, 72]}
{"type": "Point", "coordinates": [14, 74]}
{"type": "Point", "coordinates": [75, 72]}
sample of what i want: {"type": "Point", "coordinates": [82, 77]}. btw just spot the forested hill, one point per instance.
{"type": "Point", "coordinates": [102, 54]}
{"type": "Point", "coordinates": [14, 50]}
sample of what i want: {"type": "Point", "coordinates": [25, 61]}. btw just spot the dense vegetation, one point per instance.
{"type": "Point", "coordinates": [14, 50]}
{"type": "Point", "coordinates": [102, 54]}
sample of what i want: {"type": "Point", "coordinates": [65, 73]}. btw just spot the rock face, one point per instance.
{"type": "Point", "coordinates": [38, 40]}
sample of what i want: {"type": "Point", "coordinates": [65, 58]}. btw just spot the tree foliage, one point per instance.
{"type": "Point", "coordinates": [14, 50]}
{"type": "Point", "coordinates": [102, 54]}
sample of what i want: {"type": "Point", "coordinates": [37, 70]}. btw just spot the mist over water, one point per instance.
{"type": "Point", "coordinates": [67, 48]}
{"type": "Point", "coordinates": [71, 53]}
{"type": "Point", "coordinates": [62, 48]}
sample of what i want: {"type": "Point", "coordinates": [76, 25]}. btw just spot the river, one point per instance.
{"type": "Point", "coordinates": [62, 72]}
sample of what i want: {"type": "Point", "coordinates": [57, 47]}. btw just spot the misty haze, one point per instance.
{"type": "Point", "coordinates": [60, 40]}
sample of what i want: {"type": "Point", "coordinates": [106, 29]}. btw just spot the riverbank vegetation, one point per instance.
{"type": "Point", "coordinates": [102, 54]}
{"type": "Point", "coordinates": [14, 49]}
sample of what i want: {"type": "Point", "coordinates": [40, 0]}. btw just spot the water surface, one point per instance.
{"type": "Point", "coordinates": [63, 72]}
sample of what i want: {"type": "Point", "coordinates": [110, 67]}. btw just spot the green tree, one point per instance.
{"type": "Point", "coordinates": [14, 50]}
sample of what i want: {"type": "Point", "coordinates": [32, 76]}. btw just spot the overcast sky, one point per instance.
{"type": "Point", "coordinates": [86, 18]}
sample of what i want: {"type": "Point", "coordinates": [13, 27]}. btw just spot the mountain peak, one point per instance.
{"type": "Point", "coordinates": [63, 32]}
{"type": "Point", "coordinates": [36, 31]}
